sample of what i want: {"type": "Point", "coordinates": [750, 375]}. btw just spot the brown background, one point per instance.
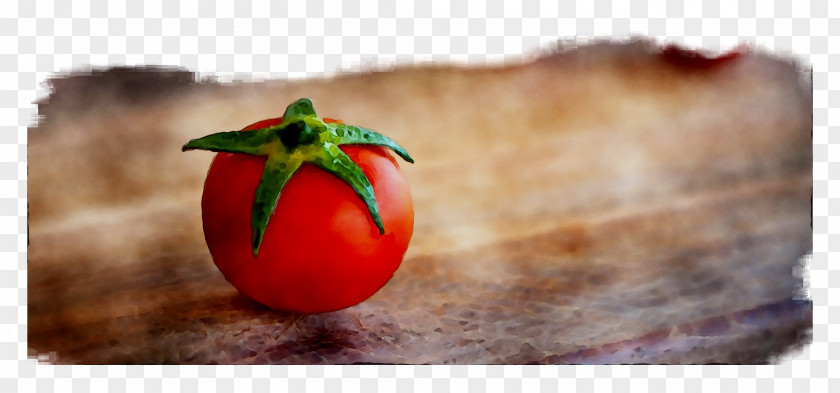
{"type": "Point", "coordinates": [597, 205]}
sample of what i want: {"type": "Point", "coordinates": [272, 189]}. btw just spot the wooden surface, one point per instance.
{"type": "Point", "coordinates": [597, 205]}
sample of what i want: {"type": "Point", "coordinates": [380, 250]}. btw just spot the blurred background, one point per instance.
{"type": "Point", "coordinates": [598, 204]}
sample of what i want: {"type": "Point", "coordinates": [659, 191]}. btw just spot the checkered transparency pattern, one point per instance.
{"type": "Point", "coordinates": [257, 40]}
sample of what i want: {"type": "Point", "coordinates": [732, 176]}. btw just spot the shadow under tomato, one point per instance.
{"type": "Point", "coordinates": [238, 330]}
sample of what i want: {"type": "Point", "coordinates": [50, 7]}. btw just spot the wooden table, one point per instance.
{"type": "Point", "coordinates": [596, 205]}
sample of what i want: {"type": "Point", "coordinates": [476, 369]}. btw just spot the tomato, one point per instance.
{"type": "Point", "coordinates": [321, 249]}
{"type": "Point", "coordinates": [694, 60]}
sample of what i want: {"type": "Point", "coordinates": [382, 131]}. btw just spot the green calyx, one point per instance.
{"type": "Point", "coordinates": [302, 137]}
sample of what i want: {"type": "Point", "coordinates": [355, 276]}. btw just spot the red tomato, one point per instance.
{"type": "Point", "coordinates": [321, 250]}
{"type": "Point", "coordinates": [694, 60]}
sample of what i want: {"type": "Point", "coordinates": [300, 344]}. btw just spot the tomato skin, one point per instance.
{"type": "Point", "coordinates": [321, 250]}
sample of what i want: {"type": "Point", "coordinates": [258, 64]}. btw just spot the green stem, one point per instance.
{"type": "Point", "coordinates": [299, 138]}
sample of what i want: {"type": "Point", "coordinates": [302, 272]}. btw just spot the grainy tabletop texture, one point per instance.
{"type": "Point", "coordinates": [602, 204]}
